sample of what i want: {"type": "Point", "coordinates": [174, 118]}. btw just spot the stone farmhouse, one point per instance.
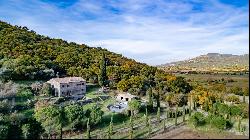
{"type": "Point", "coordinates": [68, 87]}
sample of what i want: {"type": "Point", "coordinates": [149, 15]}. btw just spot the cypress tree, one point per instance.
{"type": "Point", "coordinates": [158, 114]}
{"type": "Point", "coordinates": [239, 123]}
{"type": "Point", "coordinates": [62, 121]}
{"type": "Point", "coordinates": [88, 129]}
{"type": "Point", "coordinates": [184, 113]}
{"type": "Point", "coordinates": [110, 132]}
{"type": "Point", "coordinates": [189, 111]}
{"type": "Point", "coordinates": [229, 115]}
{"type": "Point", "coordinates": [146, 117]}
{"type": "Point", "coordinates": [193, 102]}
{"type": "Point", "coordinates": [167, 114]}
{"type": "Point", "coordinates": [206, 105]}
{"type": "Point", "coordinates": [190, 106]}
{"type": "Point", "coordinates": [244, 98]}
{"type": "Point", "coordinates": [131, 128]}
{"type": "Point", "coordinates": [103, 75]}
{"type": "Point", "coordinates": [149, 127]}
{"type": "Point", "coordinates": [150, 100]}
{"type": "Point", "coordinates": [194, 105]}
{"type": "Point", "coordinates": [176, 111]}
{"type": "Point", "coordinates": [164, 124]}
{"type": "Point", "coordinates": [158, 98]}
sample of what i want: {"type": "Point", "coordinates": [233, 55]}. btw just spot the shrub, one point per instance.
{"type": "Point", "coordinates": [230, 80]}
{"type": "Point", "coordinates": [235, 110]}
{"type": "Point", "coordinates": [233, 98]}
{"type": "Point", "coordinates": [236, 90]}
{"type": "Point", "coordinates": [24, 94]}
{"type": "Point", "coordinates": [21, 106]}
{"type": "Point", "coordinates": [244, 107]}
{"type": "Point", "coordinates": [220, 122]}
{"type": "Point", "coordinates": [197, 119]}
{"type": "Point", "coordinates": [5, 107]}
{"type": "Point", "coordinates": [209, 118]}
{"type": "Point", "coordinates": [223, 109]}
{"type": "Point", "coordinates": [32, 129]}
{"type": "Point", "coordinates": [4, 131]}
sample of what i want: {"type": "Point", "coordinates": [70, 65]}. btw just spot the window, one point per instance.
{"type": "Point", "coordinates": [121, 98]}
{"type": "Point", "coordinates": [82, 83]}
{"type": "Point", "coordinates": [62, 85]}
{"type": "Point", "coordinates": [67, 85]}
{"type": "Point", "coordinates": [82, 89]}
{"type": "Point", "coordinates": [126, 99]}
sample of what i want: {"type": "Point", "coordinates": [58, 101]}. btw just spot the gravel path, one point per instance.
{"type": "Point", "coordinates": [184, 132]}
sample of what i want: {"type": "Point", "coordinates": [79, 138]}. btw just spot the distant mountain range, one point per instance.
{"type": "Point", "coordinates": [211, 62]}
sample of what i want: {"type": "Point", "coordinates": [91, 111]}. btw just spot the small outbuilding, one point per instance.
{"type": "Point", "coordinates": [125, 97]}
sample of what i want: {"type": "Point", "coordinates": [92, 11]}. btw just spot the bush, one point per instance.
{"type": "Point", "coordinates": [19, 106]}
{"type": "Point", "coordinates": [171, 113]}
{"type": "Point", "coordinates": [5, 107]}
{"type": "Point", "coordinates": [235, 110]}
{"type": "Point", "coordinates": [236, 90]}
{"type": "Point", "coordinates": [220, 122]}
{"type": "Point", "coordinates": [198, 119]}
{"type": "Point", "coordinates": [32, 129]}
{"type": "Point", "coordinates": [4, 129]}
{"type": "Point", "coordinates": [223, 109]}
{"type": "Point", "coordinates": [209, 118]}
{"type": "Point", "coordinates": [244, 107]}
{"type": "Point", "coordinates": [24, 94]}
{"type": "Point", "coordinates": [233, 98]}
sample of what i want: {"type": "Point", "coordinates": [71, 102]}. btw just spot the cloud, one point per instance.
{"type": "Point", "coordinates": [152, 32]}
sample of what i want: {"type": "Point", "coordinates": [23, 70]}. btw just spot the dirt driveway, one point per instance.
{"type": "Point", "coordinates": [186, 133]}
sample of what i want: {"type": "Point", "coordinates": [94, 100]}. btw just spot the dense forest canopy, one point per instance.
{"type": "Point", "coordinates": [27, 55]}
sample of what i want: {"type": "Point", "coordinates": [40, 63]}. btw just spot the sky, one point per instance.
{"type": "Point", "coordinates": [149, 31]}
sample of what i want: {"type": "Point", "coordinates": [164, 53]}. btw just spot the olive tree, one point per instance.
{"type": "Point", "coordinates": [50, 118]}
{"type": "Point", "coordinates": [134, 106]}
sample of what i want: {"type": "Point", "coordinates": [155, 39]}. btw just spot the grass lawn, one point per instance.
{"type": "Point", "coordinates": [215, 131]}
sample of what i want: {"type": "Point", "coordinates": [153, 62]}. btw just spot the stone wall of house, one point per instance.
{"type": "Point", "coordinates": [76, 89]}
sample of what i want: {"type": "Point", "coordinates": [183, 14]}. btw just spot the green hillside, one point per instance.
{"type": "Point", "coordinates": [212, 62]}
{"type": "Point", "coordinates": [25, 55]}
{"type": "Point", "coordinates": [36, 55]}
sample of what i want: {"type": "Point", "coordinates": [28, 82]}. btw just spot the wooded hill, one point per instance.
{"type": "Point", "coordinates": [211, 62]}
{"type": "Point", "coordinates": [27, 55]}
